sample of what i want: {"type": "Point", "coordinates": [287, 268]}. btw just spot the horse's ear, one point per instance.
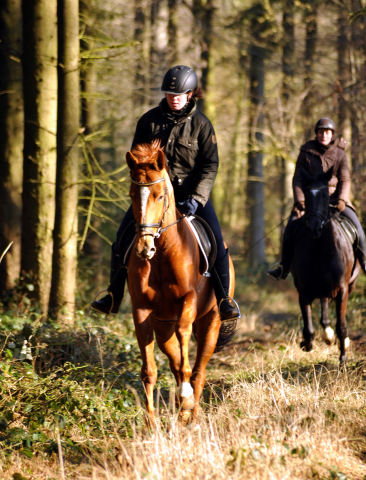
{"type": "Point", "coordinates": [328, 175]}
{"type": "Point", "coordinates": [131, 161]}
{"type": "Point", "coordinates": [160, 160]}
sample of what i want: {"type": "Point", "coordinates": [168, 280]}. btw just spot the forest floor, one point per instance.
{"type": "Point", "coordinates": [74, 408]}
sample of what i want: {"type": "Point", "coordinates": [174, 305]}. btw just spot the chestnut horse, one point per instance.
{"type": "Point", "coordinates": [324, 264]}
{"type": "Point", "coordinates": [168, 292]}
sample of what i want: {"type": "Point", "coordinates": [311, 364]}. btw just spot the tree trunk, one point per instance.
{"type": "Point", "coordinates": [62, 300]}
{"type": "Point", "coordinates": [40, 115]}
{"type": "Point", "coordinates": [90, 121]}
{"type": "Point", "coordinates": [11, 140]}
{"type": "Point", "coordinates": [342, 45]}
{"type": "Point", "coordinates": [288, 52]}
{"type": "Point", "coordinates": [140, 72]}
{"type": "Point", "coordinates": [158, 47]}
{"type": "Point", "coordinates": [173, 49]}
{"type": "Point", "coordinates": [310, 20]}
{"type": "Point", "coordinates": [203, 11]}
{"type": "Point", "coordinates": [255, 185]}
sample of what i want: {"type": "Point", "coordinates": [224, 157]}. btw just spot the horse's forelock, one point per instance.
{"type": "Point", "coordinates": [147, 152]}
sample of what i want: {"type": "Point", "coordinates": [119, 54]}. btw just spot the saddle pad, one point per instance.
{"type": "Point", "coordinates": [205, 238]}
{"type": "Point", "coordinates": [349, 229]}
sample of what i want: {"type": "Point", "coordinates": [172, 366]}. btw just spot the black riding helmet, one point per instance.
{"type": "Point", "coordinates": [178, 80]}
{"type": "Point", "coordinates": [325, 123]}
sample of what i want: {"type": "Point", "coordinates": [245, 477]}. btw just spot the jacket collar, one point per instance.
{"type": "Point", "coordinates": [178, 117]}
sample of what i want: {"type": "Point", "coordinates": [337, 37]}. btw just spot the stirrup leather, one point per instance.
{"type": "Point", "coordinates": [97, 295]}
{"type": "Point", "coordinates": [237, 307]}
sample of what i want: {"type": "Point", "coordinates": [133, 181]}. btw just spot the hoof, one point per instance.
{"type": "Point", "coordinates": [187, 403]}
{"type": "Point", "coordinates": [343, 360]}
{"type": "Point", "coordinates": [184, 417]}
{"type": "Point", "coordinates": [307, 346]}
{"type": "Point", "coordinates": [328, 336]}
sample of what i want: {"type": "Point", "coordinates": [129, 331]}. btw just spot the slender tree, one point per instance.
{"type": "Point", "coordinates": [11, 140]}
{"type": "Point", "coordinates": [62, 300]}
{"type": "Point", "coordinates": [158, 46]}
{"type": "Point", "coordinates": [310, 20]}
{"type": "Point", "coordinates": [40, 115]}
{"type": "Point", "coordinates": [342, 48]}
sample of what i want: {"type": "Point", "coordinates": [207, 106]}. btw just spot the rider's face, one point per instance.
{"type": "Point", "coordinates": [176, 102]}
{"type": "Point", "coordinates": [324, 136]}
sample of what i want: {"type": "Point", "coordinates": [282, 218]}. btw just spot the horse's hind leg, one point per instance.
{"type": "Point", "coordinates": [207, 328]}
{"type": "Point", "coordinates": [308, 330]}
{"type": "Point", "coordinates": [328, 333]}
{"type": "Point", "coordinates": [341, 328]}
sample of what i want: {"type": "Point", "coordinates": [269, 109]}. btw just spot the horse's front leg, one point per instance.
{"type": "Point", "coordinates": [308, 330]}
{"type": "Point", "coordinates": [185, 390]}
{"type": "Point", "coordinates": [328, 332]}
{"type": "Point", "coordinates": [145, 336]}
{"type": "Point", "coordinates": [341, 328]}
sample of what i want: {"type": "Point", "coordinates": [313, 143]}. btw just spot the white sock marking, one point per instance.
{"type": "Point", "coordinates": [185, 390]}
{"type": "Point", "coordinates": [347, 342]}
{"type": "Point", "coordinates": [329, 333]}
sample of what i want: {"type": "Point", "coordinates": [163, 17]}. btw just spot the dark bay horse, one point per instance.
{"type": "Point", "coordinates": [324, 264]}
{"type": "Point", "coordinates": [168, 292]}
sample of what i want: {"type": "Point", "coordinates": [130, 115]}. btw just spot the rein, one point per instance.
{"type": "Point", "coordinates": [144, 227]}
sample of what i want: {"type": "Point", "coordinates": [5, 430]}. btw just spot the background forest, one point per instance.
{"type": "Point", "coordinates": [76, 76]}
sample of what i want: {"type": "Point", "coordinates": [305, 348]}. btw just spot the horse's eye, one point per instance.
{"type": "Point", "coordinates": [160, 198]}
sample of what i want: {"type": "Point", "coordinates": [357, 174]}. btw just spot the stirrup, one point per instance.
{"type": "Point", "coordinates": [237, 307]}
{"type": "Point", "coordinates": [276, 265]}
{"type": "Point", "coordinates": [97, 295]}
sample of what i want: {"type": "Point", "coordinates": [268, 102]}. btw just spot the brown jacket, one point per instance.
{"type": "Point", "coordinates": [311, 160]}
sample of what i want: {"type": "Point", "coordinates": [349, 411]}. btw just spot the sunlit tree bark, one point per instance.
{"type": "Point", "coordinates": [11, 140]}
{"type": "Point", "coordinates": [40, 113]}
{"type": "Point", "coordinates": [62, 300]}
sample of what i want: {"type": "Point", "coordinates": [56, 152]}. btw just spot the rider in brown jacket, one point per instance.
{"type": "Point", "coordinates": [320, 155]}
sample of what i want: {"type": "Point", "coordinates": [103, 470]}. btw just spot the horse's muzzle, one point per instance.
{"type": "Point", "coordinates": [145, 248]}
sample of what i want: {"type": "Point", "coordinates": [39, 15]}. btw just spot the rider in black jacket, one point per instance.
{"type": "Point", "coordinates": [190, 147]}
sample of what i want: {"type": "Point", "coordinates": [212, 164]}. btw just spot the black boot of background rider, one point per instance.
{"type": "Point", "coordinates": [221, 283]}
{"type": "Point", "coordinates": [112, 301]}
{"type": "Point", "coordinates": [283, 269]}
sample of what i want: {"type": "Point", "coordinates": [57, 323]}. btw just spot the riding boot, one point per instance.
{"type": "Point", "coordinates": [360, 247]}
{"type": "Point", "coordinates": [283, 269]}
{"type": "Point", "coordinates": [112, 301]}
{"type": "Point", "coordinates": [221, 283]}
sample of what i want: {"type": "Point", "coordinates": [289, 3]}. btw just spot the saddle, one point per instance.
{"type": "Point", "coordinates": [200, 229]}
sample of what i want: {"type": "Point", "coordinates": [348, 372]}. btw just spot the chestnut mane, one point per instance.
{"type": "Point", "coordinates": [146, 152]}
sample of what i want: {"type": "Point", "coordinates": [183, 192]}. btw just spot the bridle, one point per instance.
{"type": "Point", "coordinates": [144, 228]}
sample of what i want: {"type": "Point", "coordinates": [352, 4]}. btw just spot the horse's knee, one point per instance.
{"type": "Point", "coordinates": [149, 374]}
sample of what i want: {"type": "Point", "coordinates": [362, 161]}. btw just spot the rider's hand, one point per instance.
{"type": "Point", "coordinates": [188, 207]}
{"type": "Point", "coordinates": [298, 209]}
{"type": "Point", "coordinates": [341, 205]}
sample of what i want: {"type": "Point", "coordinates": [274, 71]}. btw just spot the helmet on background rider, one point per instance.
{"type": "Point", "coordinates": [178, 80]}
{"type": "Point", "coordinates": [325, 123]}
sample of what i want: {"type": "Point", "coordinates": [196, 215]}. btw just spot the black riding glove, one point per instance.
{"type": "Point", "coordinates": [188, 207]}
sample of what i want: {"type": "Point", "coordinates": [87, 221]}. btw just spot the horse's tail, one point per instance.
{"type": "Point", "coordinates": [226, 333]}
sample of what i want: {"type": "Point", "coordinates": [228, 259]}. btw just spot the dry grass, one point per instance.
{"type": "Point", "coordinates": [269, 411]}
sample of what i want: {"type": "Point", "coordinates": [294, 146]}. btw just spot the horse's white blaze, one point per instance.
{"type": "Point", "coordinates": [346, 342]}
{"type": "Point", "coordinates": [329, 333]}
{"type": "Point", "coordinates": [314, 192]}
{"type": "Point", "coordinates": [145, 192]}
{"type": "Point", "coordinates": [185, 390]}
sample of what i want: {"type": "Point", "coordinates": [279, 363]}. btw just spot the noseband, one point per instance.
{"type": "Point", "coordinates": [144, 228]}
